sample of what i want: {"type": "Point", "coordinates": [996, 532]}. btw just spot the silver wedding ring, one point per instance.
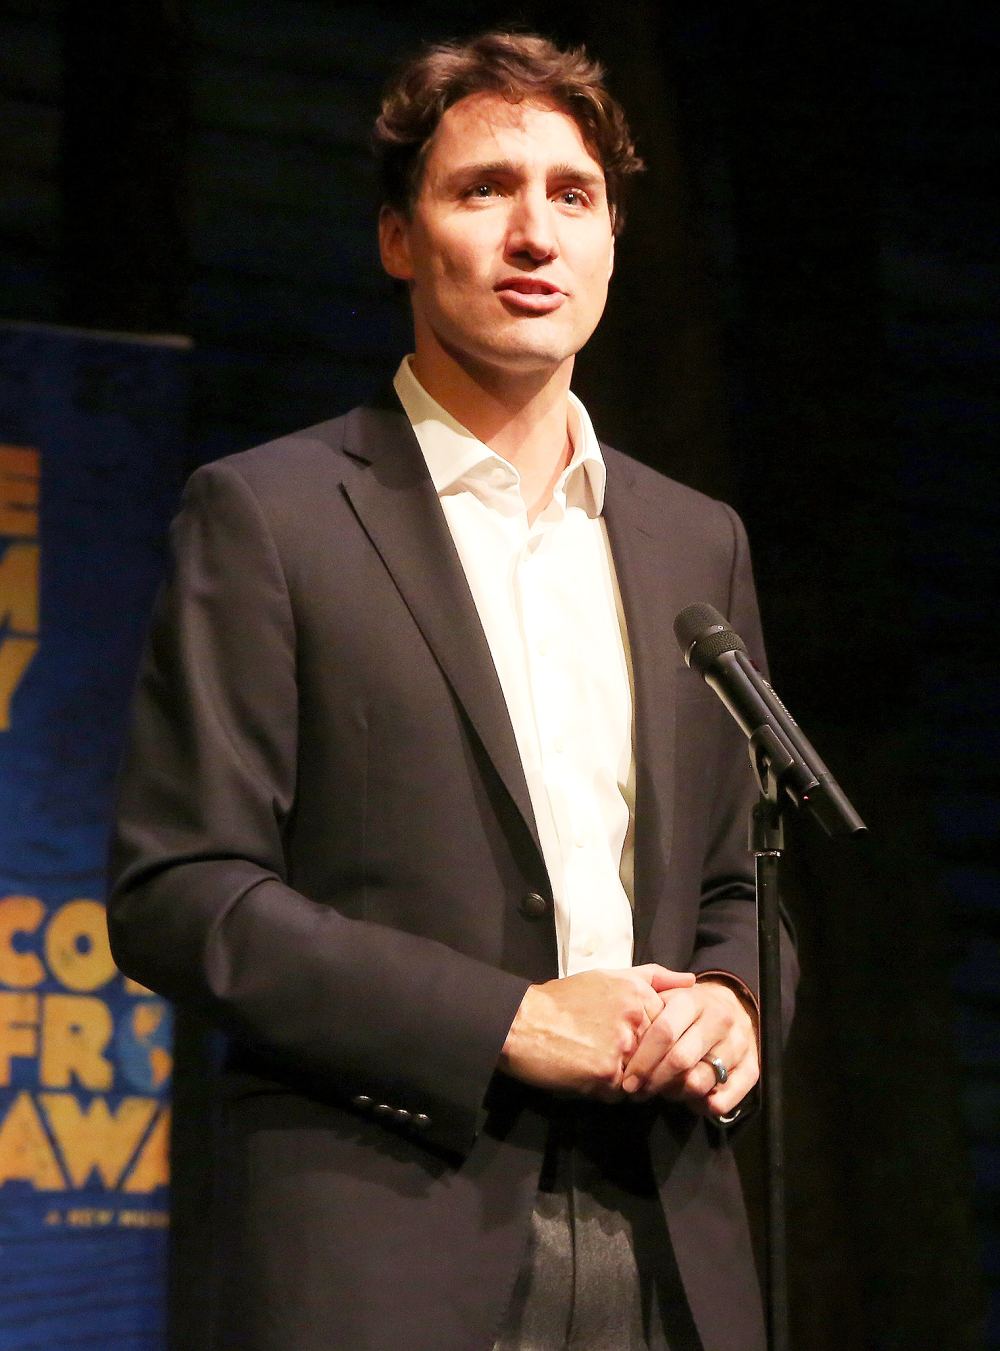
{"type": "Point", "coordinates": [718, 1068]}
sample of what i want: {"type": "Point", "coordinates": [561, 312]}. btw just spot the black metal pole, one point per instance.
{"type": "Point", "coordinates": [766, 844]}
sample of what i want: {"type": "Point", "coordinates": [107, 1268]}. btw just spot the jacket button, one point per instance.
{"type": "Point", "coordinates": [383, 1109]}
{"type": "Point", "coordinates": [533, 906]}
{"type": "Point", "coordinates": [362, 1101]}
{"type": "Point", "coordinates": [421, 1120]}
{"type": "Point", "coordinates": [402, 1115]}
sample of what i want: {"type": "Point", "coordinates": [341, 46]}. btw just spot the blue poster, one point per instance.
{"type": "Point", "coordinates": [91, 462]}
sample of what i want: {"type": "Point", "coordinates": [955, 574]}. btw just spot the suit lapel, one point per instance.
{"type": "Point", "coordinates": [399, 510]}
{"type": "Point", "coordinates": [645, 581]}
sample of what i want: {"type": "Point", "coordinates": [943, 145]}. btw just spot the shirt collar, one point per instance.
{"type": "Point", "coordinates": [458, 460]}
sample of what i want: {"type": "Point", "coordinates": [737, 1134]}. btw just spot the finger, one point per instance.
{"type": "Point", "coordinates": [743, 1072]}
{"type": "Point", "coordinates": [664, 1056]}
{"type": "Point", "coordinates": [681, 1059]}
{"type": "Point", "coordinates": [652, 1007]}
{"type": "Point", "coordinates": [723, 1027]}
{"type": "Point", "coordinates": [652, 1004]}
{"type": "Point", "coordinates": [729, 1050]}
{"type": "Point", "coordinates": [680, 1072]}
{"type": "Point", "coordinates": [659, 1040]}
{"type": "Point", "coordinates": [725, 1098]}
{"type": "Point", "coordinates": [662, 978]}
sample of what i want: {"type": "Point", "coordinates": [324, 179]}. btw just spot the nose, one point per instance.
{"type": "Point", "coordinates": [532, 227]}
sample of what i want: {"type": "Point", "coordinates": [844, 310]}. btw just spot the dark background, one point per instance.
{"type": "Point", "coordinates": [802, 320]}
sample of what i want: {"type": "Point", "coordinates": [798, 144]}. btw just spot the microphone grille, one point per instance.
{"type": "Point", "coordinates": [703, 634]}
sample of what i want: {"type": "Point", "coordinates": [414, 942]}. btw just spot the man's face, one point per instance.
{"type": "Point", "coordinates": [509, 247]}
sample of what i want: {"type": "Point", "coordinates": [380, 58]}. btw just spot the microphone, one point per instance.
{"type": "Point", "coordinates": [710, 646]}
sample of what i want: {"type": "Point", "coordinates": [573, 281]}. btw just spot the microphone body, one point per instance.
{"type": "Point", "coordinates": [711, 647]}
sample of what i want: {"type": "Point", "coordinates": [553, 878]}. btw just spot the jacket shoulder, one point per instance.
{"type": "Point", "coordinates": [302, 473]}
{"type": "Point", "coordinates": [667, 499]}
{"type": "Point", "coordinates": [320, 448]}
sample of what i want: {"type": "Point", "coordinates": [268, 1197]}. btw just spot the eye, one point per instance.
{"type": "Point", "coordinates": [481, 192]}
{"type": "Point", "coordinates": [575, 197]}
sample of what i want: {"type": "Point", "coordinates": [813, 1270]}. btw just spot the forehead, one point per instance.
{"type": "Point", "coordinates": [483, 128]}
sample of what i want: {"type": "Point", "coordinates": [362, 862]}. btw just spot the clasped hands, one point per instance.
{"type": "Point", "coordinates": [636, 1034]}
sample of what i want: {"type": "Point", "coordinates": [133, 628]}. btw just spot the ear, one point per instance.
{"type": "Point", "coordinates": [394, 244]}
{"type": "Point", "coordinates": [611, 258]}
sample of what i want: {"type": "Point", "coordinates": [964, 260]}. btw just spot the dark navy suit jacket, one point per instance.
{"type": "Point", "coordinates": [326, 844]}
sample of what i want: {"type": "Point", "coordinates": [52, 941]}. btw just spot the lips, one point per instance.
{"type": "Point", "coordinates": [530, 295]}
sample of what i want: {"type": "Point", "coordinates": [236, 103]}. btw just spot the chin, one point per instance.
{"type": "Point", "coordinates": [532, 362]}
{"type": "Point", "coordinates": [533, 351]}
{"type": "Point", "coordinates": [522, 349]}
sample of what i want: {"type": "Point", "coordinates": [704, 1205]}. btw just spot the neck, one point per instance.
{"type": "Point", "coordinates": [525, 418]}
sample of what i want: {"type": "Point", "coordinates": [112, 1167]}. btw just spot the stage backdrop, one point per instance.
{"type": "Point", "coordinates": [91, 459]}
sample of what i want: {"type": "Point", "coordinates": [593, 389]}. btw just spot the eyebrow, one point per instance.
{"type": "Point", "coordinates": [505, 168]}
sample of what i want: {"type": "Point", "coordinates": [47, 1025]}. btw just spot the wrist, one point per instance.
{"type": "Point", "coordinates": [512, 1049]}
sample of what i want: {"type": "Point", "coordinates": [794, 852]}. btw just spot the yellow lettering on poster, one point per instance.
{"type": "Point", "coordinates": [19, 915]}
{"type": "Point", "coordinates": [25, 1152]}
{"type": "Point", "coordinates": [95, 1138]}
{"type": "Point", "coordinates": [15, 657]}
{"type": "Point", "coordinates": [76, 946]}
{"type": "Point", "coordinates": [152, 1167]}
{"type": "Point", "coordinates": [19, 469]}
{"type": "Point", "coordinates": [18, 1030]}
{"type": "Point", "coordinates": [76, 1030]}
{"type": "Point", "coordinates": [19, 588]}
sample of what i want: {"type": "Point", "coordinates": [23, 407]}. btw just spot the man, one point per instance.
{"type": "Point", "coordinates": [422, 808]}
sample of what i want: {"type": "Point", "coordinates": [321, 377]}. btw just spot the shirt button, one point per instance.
{"type": "Point", "coordinates": [533, 906]}
{"type": "Point", "coordinates": [362, 1100]}
{"type": "Point", "coordinates": [401, 1115]}
{"type": "Point", "coordinates": [557, 745]}
{"type": "Point", "coordinates": [383, 1109]}
{"type": "Point", "coordinates": [421, 1120]}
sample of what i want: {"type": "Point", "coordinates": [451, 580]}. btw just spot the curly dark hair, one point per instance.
{"type": "Point", "coordinates": [518, 66]}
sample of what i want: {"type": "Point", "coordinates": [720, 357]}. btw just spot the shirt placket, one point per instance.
{"type": "Point", "coordinates": [553, 698]}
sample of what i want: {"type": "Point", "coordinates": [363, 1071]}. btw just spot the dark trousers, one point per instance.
{"type": "Point", "coordinates": [598, 1272]}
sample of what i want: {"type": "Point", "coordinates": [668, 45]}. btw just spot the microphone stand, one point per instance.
{"type": "Point", "coordinates": [787, 768]}
{"type": "Point", "coordinates": [767, 843]}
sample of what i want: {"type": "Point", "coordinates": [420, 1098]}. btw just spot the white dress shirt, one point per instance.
{"type": "Point", "coordinates": [548, 600]}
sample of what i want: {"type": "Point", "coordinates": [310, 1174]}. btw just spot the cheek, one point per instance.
{"type": "Point", "coordinates": [462, 263]}
{"type": "Point", "coordinates": [597, 285]}
{"type": "Point", "coordinates": [464, 255]}
{"type": "Point", "coordinates": [453, 267]}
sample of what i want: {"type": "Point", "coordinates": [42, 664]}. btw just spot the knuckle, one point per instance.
{"type": "Point", "coordinates": [608, 1071]}
{"type": "Point", "coordinates": [626, 1044]}
{"type": "Point", "coordinates": [629, 1003]}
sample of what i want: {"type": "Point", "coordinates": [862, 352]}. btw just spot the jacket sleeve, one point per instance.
{"type": "Point", "coordinates": [200, 907]}
{"type": "Point", "coordinates": [727, 933]}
